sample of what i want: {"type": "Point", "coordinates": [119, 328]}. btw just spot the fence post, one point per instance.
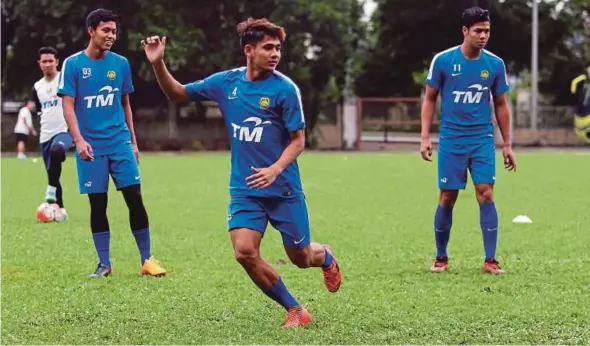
{"type": "Point", "coordinates": [349, 123]}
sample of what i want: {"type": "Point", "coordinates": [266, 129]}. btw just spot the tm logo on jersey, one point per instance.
{"type": "Point", "coordinates": [470, 96]}
{"type": "Point", "coordinates": [49, 104]}
{"type": "Point", "coordinates": [247, 134]}
{"type": "Point", "coordinates": [101, 100]}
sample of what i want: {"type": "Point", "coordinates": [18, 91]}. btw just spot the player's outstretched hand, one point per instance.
{"type": "Point", "coordinates": [154, 48]}
{"type": "Point", "coordinates": [509, 159]}
{"type": "Point", "coordinates": [426, 148]}
{"type": "Point", "coordinates": [262, 177]}
{"type": "Point", "coordinates": [84, 150]}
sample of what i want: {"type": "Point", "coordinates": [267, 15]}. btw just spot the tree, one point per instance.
{"type": "Point", "coordinates": [410, 32]}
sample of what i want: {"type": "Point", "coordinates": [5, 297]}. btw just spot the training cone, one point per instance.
{"type": "Point", "coordinates": [522, 219]}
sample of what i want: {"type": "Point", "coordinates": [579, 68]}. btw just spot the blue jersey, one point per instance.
{"type": "Point", "coordinates": [97, 87]}
{"type": "Point", "coordinates": [259, 115]}
{"type": "Point", "coordinates": [465, 87]}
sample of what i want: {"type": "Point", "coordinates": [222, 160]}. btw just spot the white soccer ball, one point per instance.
{"type": "Point", "coordinates": [48, 212]}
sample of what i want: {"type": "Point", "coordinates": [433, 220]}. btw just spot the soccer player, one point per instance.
{"type": "Point", "coordinates": [22, 128]}
{"type": "Point", "coordinates": [466, 77]}
{"type": "Point", "coordinates": [95, 85]}
{"type": "Point", "coordinates": [54, 137]}
{"type": "Point", "coordinates": [580, 88]}
{"type": "Point", "coordinates": [264, 116]}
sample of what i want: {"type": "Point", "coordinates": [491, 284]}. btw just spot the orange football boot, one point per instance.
{"type": "Point", "coordinates": [297, 316]}
{"type": "Point", "coordinates": [332, 274]}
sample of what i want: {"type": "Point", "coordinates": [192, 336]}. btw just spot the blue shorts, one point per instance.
{"type": "Point", "coordinates": [287, 215]}
{"type": "Point", "coordinates": [455, 159]}
{"type": "Point", "coordinates": [93, 176]}
{"type": "Point", "coordinates": [63, 139]}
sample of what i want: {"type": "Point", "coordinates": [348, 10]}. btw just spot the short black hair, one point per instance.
{"type": "Point", "coordinates": [474, 15]}
{"type": "Point", "coordinates": [47, 50]}
{"type": "Point", "coordinates": [100, 15]}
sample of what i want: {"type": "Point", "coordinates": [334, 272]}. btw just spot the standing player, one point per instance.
{"type": "Point", "coordinates": [580, 88]}
{"type": "Point", "coordinates": [95, 85]}
{"type": "Point", "coordinates": [466, 77]}
{"type": "Point", "coordinates": [54, 138]}
{"type": "Point", "coordinates": [22, 128]}
{"type": "Point", "coordinates": [264, 117]}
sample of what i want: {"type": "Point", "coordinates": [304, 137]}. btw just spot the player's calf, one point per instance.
{"type": "Point", "coordinates": [101, 234]}
{"type": "Point", "coordinates": [139, 224]}
{"type": "Point", "coordinates": [302, 258]}
{"type": "Point", "coordinates": [316, 255]}
{"type": "Point", "coordinates": [57, 154]}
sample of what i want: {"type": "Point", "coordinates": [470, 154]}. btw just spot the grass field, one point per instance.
{"type": "Point", "coordinates": [377, 212]}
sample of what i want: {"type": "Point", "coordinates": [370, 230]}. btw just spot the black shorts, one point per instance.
{"type": "Point", "coordinates": [21, 137]}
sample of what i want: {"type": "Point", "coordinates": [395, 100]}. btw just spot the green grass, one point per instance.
{"type": "Point", "coordinates": [377, 212]}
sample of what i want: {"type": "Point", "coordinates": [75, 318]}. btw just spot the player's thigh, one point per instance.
{"type": "Point", "coordinates": [246, 243]}
{"type": "Point", "coordinates": [452, 166]}
{"type": "Point", "coordinates": [21, 137]}
{"type": "Point", "coordinates": [482, 163]}
{"type": "Point", "coordinates": [124, 169]}
{"type": "Point", "coordinates": [63, 140]}
{"type": "Point", "coordinates": [246, 212]}
{"type": "Point", "coordinates": [93, 176]}
{"type": "Point", "coordinates": [290, 217]}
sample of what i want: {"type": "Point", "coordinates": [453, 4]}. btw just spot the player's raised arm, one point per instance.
{"type": "Point", "coordinates": [154, 50]}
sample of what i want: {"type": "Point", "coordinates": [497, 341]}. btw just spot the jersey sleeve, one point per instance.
{"type": "Point", "coordinates": [206, 89]}
{"type": "Point", "coordinates": [500, 85]}
{"type": "Point", "coordinates": [292, 107]}
{"type": "Point", "coordinates": [35, 98]}
{"type": "Point", "coordinates": [435, 73]}
{"type": "Point", "coordinates": [67, 79]}
{"type": "Point", "coordinates": [127, 79]}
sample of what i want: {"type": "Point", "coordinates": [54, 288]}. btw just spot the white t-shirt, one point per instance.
{"type": "Point", "coordinates": [49, 104]}
{"type": "Point", "coordinates": [24, 117]}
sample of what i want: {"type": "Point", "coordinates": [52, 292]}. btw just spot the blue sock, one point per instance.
{"type": "Point", "coordinates": [328, 260]}
{"type": "Point", "coordinates": [488, 219]}
{"type": "Point", "coordinates": [102, 242]}
{"type": "Point", "coordinates": [142, 238]}
{"type": "Point", "coordinates": [279, 293]}
{"type": "Point", "coordinates": [443, 220]}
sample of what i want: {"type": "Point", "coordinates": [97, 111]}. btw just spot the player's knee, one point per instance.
{"type": "Point", "coordinates": [300, 258]}
{"type": "Point", "coordinates": [448, 198]}
{"type": "Point", "coordinates": [485, 194]}
{"type": "Point", "coordinates": [57, 153]}
{"type": "Point", "coordinates": [246, 255]}
{"type": "Point", "coordinates": [132, 196]}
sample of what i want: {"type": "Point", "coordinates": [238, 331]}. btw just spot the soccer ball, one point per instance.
{"type": "Point", "coordinates": [47, 212]}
